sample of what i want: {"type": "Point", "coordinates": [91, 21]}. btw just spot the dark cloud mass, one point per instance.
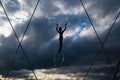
{"type": "Point", "coordinates": [12, 6]}
{"type": "Point", "coordinates": [80, 42]}
{"type": "Point", "coordinates": [108, 6]}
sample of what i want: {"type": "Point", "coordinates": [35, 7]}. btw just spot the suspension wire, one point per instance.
{"type": "Point", "coordinates": [102, 44]}
{"type": "Point", "coordinates": [101, 47]}
{"type": "Point", "coordinates": [21, 40]}
{"type": "Point", "coordinates": [16, 38]}
{"type": "Point", "coordinates": [114, 77]}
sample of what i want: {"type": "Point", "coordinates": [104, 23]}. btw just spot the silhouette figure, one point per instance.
{"type": "Point", "coordinates": [60, 31]}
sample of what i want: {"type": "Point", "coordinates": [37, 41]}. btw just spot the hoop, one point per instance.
{"type": "Point", "coordinates": [59, 54]}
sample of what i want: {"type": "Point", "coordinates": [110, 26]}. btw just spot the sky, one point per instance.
{"type": "Point", "coordinates": [40, 43]}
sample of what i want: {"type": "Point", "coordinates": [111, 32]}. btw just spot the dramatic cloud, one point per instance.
{"type": "Point", "coordinates": [40, 42]}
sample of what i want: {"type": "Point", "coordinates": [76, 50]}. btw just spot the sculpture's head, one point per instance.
{"type": "Point", "coordinates": [60, 28]}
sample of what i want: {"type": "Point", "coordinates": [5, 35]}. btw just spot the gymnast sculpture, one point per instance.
{"type": "Point", "coordinates": [60, 31]}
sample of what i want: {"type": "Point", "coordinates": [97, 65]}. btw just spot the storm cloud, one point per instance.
{"type": "Point", "coordinates": [40, 42]}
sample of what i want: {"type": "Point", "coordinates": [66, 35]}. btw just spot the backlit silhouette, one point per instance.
{"type": "Point", "coordinates": [60, 31]}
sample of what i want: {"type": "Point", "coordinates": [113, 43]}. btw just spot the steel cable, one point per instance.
{"type": "Point", "coordinates": [20, 41]}
{"type": "Point", "coordinates": [102, 44]}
